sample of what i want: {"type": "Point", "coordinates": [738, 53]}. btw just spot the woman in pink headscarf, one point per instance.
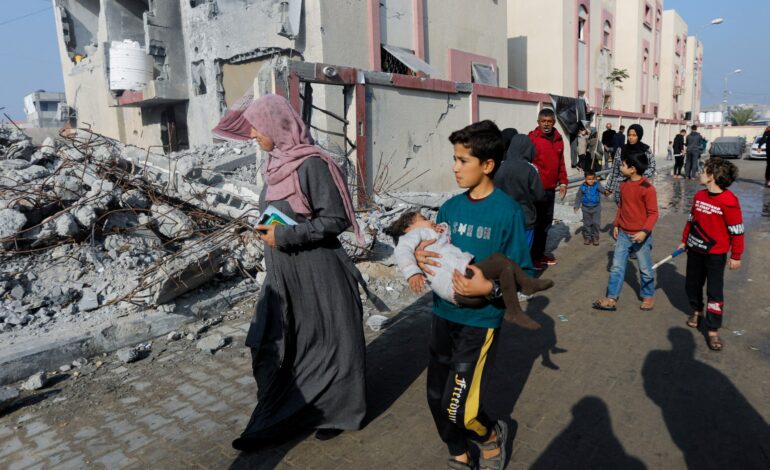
{"type": "Point", "coordinates": [306, 337]}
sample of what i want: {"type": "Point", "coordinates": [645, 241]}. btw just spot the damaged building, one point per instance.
{"type": "Point", "coordinates": [380, 83]}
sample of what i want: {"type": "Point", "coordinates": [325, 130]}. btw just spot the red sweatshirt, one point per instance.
{"type": "Point", "coordinates": [638, 209]}
{"type": "Point", "coordinates": [549, 158]}
{"type": "Point", "coordinates": [715, 225]}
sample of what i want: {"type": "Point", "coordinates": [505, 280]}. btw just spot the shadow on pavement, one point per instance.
{"type": "Point", "coordinates": [394, 360]}
{"type": "Point", "coordinates": [708, 418]}
{"type": "Point", "coordinates": [517, 353]}
{"type": "Point", "coordinates": [587, 442]}
{"type": "Point", "coordinates": [672, 284]}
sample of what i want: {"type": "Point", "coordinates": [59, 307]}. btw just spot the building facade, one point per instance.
{"type": "Point", "coordinates": [694, 70]}
{"type": "Point", "coordinates": [46, 109]}
{"type": "Point", "coordinates": [161, 73]}
{"type": "Point", "coordinates": [673, 64]}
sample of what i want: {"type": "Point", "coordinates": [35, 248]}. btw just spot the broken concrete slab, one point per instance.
{"type": "Point", "coordinates": [135, 199]}
{"type": "Point", "coordinates": [212, 343]}
{"type": "Point", "coordinates": [89, 301]}
{"type": "Point", "coordinates": [66, 226]}
{"type": "Point", "coordinates": [11, 222]}
{"type": "Point", "coordinates": [171, 221]}
{"type": "Point", "coordinates": [36, 381]}
{"type": "Point", "coordinates": [128, 355]}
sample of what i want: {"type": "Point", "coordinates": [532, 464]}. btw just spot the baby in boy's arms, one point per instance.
{"type": "Point", "coordinates": [412, 228]}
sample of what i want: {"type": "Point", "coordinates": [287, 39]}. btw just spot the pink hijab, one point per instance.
{"type": "Point", "coordinates": [273, 116]}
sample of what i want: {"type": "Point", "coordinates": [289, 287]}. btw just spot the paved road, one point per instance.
{"type": "Point", "coordinates": [628, 389]}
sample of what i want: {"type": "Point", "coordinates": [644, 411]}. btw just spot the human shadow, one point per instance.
{"type": "Point", "coordinates": [518, 351]}
{"type": "Point", "coordinates": [557, 233]}
{"type": "Point", "coordinates": [394, 360]}
{"type": "Point", "coordinates": [708, 418]}
{"type": "Point", "coordinates": [672, 284]}
{"type": "Point", "coordinates": [587, 442]}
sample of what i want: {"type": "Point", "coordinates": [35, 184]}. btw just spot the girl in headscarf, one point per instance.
{"type": "Point", "coordinates": [633, 145]}
{"type": "Point", "coordinates": [306, 337]}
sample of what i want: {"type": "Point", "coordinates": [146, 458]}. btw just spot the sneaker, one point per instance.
{"type": "Point", "coordinates": [549, 260]}
{"type": "Point", "coordinates": [524, 297]}
{"type": "Point", "coordinates": [539, 264]}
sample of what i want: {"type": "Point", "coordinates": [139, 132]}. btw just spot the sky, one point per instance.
{"type": "Point", "coordinates": [30, 58]}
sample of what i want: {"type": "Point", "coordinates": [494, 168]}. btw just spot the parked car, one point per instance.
{"type": "Point", "coordinates": [728, 147]}
{"type": "Point", "coordinates": [758, 152]}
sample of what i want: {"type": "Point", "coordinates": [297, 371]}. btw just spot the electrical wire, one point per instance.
{"type": "Point", "coordinates": [11, 20]}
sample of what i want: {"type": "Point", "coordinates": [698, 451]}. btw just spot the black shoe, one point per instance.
{"type": "Point", "coordinates": [250, 444]}
{"type": "Point", "coordinates": [327, 434]}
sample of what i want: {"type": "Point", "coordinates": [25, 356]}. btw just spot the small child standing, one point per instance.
{"type": "Point", "coordinates": [589, 197]}
{"type": "Point", "coordinates": [635, 219]}
{"type": "Point", "coordinates": [715, 226]}
{"type": "Point", "coordinates": [670, 150]}
{"type": "Point", "coordinates": [412, 228]}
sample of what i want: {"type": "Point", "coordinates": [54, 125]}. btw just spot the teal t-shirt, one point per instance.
{"type": "Point", "coordinates": [494, 224]}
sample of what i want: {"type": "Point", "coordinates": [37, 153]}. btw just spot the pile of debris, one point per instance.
{"type": "Point", "coordinates": [84, 227]}
{"type": "Point", "coordinates": [89, 225]}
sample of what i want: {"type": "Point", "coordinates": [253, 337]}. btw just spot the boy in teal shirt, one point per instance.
{"type": "Point", "coordinates": [483, 220]}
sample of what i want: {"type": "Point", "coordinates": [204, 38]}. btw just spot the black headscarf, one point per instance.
{"type": "Point", "coordinates": [639, 148]}
{"type": "Point", "coordinates": [508, 134]}
{"type": "Point", "coordinates": [521, 147]}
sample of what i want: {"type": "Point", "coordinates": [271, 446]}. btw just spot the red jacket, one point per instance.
{"type": "Point", "coordinates": [715, 225]}
{"type": "Point", "coordinates": [549, 158]}
{"type": "Point", "coordinates": [638, 208]}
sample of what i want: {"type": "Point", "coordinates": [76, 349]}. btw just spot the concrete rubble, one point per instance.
{"type": "Point", "coordinates": [92, 229]}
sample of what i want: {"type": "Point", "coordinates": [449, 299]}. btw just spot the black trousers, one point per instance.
{"type": "Point", "coordinates": [678, 164]}
{"type": "Point", "coordinates": [767, 163]}
{"type": "Point", "coordinates": [691, 165]}
{"type": "Point", "coordinates": [461, 359]}
{"type": "Point", "coordinates": [543, 222]}
{"type": "Point", "coordinates": [709, 270]}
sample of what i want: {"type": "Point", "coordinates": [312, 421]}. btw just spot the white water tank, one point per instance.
{"type": "Point", "coordinates": [130, 66]}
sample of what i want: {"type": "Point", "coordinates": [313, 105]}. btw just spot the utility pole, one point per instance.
{"type": "Point", "coordinates": [695, 65]}
{"type": "Point", "coordinates": [724, 104]}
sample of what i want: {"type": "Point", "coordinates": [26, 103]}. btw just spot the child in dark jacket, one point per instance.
{"type": "Point", "coordinates": [589, 197]}
{"type": "Point", "coordinates": [519, 178]}
{"type": "Point", "coordinates": [715, 227]}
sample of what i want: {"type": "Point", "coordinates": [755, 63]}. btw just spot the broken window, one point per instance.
{"type": "Point", "coordinates": [80, 25]}
{"type": "Point", "coordinates": [484, 74]}
{"type": "Point", "coordinates": [198, 72]}
{"type": "Point", "coordinates": [197, 3]}
{"type": "Point", "coordinates": [291, 16]}
{"type": "Point", "coordinates": [403, 61]}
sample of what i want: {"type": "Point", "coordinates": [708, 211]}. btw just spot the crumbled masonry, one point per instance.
{"type": "Point", "coordinates": [89, 226]}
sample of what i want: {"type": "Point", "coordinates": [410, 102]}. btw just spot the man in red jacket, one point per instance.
{"type": "Point", "coordinates": [549, 160]}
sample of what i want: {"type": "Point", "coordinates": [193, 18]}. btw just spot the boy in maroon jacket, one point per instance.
{"type": "Point", "coordinates": [635, 219]}
{"type": "Point", "coordinates": [715, 226]}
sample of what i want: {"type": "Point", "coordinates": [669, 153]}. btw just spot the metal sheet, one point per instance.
{"type": "Point", "coordinates": [408, 58]}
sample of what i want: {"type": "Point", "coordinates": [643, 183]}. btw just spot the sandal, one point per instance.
{"type": "Point", "coordinates": [498, 461]}
{"type": "Point", "coordinates": [605, 303]}
{"type": "Point", "coordinates": [647, 304]}
{"type": "Point", "coordinates": [715, 344]}
{"type": "Point", "coordinates": [694, 320]}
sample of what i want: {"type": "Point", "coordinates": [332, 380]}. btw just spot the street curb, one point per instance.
{"type": "Point", "coordinates": [43, 354]}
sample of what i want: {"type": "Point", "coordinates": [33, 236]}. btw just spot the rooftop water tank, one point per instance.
{"type": "Point", "coordinates": [130, 66]}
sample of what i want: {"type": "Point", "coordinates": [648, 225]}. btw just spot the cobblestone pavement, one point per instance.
{"type": "Point", "coordinates": [625, 389]}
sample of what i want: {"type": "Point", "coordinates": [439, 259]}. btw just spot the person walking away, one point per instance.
{"type": "Point", "coordinates": [715, 227]}
{"type": "Point", "coordinates": [765, 140]}
{"type": "Point", "coordinates": [678, 148]}
{"type": "Point", "coordinates": [483, 220]}
{"type": "Point", "coordinates": [608, 143]}
{"type": "Point", "coordinates": [635, 146]}
{"type": "Point", "coordinates": [589, 197]}
{"type": "Point", "coordinates": [693, 145]}
{"type": "Point", "coordinates": [618, 141]}
{"type": "Point", "coordinates": [582, 149]}
{"type": "Point", "coordinates": [518, 178]}
{"type": "Point", "coordinates": [307, 346]}
{"type": "Point", "coordinates": [632, 228]}
{"type": "Point", "coordinates": [549, 160]}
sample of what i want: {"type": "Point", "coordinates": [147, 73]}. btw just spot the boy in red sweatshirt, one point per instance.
{"type": "Point", "coordinates": [635, 219]}
{"type": "Point", "coordinates": [715, 226]}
